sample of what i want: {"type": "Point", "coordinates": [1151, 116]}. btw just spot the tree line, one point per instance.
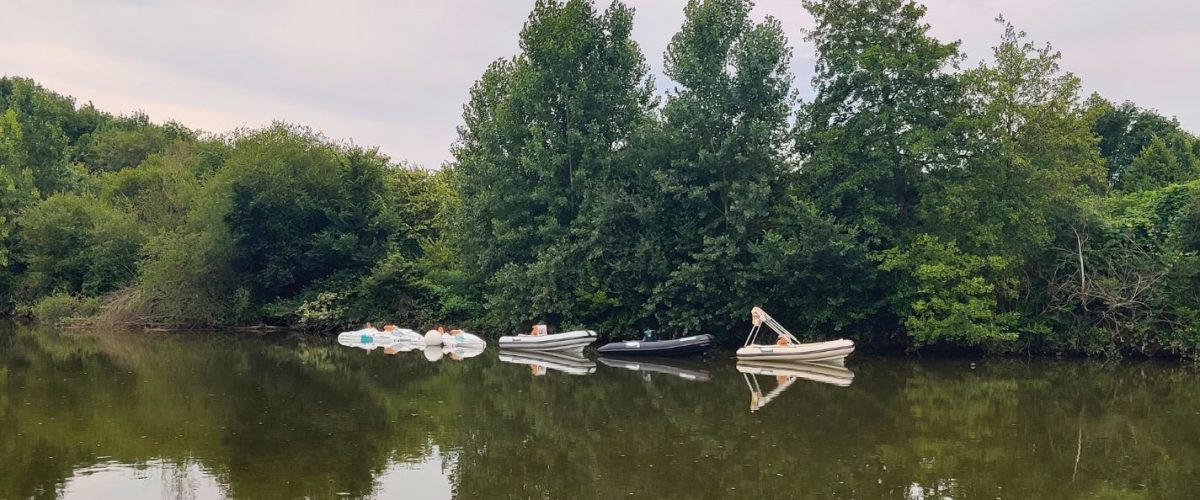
{"type": "Point", "coordinates": [913, 201]}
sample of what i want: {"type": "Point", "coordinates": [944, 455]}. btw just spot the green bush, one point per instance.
{"type": "Point", "coordinates": [76, 244]}
{"type": "Point", "coordinates": [945, 295]}
{"type": "Point", "coordinates": [60, 307]}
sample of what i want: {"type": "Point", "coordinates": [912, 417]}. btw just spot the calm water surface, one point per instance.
{"type": "Point", "coordinates": [89, 415]}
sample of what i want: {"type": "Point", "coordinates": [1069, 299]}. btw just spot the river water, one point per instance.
{"type": "Point", "coordinates": [133, 416]}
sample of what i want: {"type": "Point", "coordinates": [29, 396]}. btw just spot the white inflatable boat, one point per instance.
{"type": "Point", "coordinates": [404, 334]}
{"type": "Point", "coordinates": [789, 348]}
{"type": "Point", "coordinates": [459, 338]}
{"type": "Point", "coordinates": [538, 340]}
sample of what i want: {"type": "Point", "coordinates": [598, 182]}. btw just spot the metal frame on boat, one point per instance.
{"type": "Point", "coordinates": [790, 348]}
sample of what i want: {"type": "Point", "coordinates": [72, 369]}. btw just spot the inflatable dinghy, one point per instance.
{"type": "Point", "coordinates": [459, 338]}
{"type": "Point", "coordinates": [789, 348]}
{"type": "Point", "coordinates": [831, 352]}
{"type": "Point", "coordinates": [538, 340]}
{"type": "Point", "coordinates": [404, 334]}
{"type": "Point", "coordinates": [453, 338]}
{"type": "Point", "coordinates": [651, 346]}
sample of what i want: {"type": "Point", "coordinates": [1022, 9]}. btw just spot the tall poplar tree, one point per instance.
{"type": "Point", "coordinates": [885, 100]}
{"type": "Point", "coordinates": [538, 142]}
{"type": "Point", "coordinates": [725, 130]}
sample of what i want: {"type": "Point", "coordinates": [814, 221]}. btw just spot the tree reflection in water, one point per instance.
{"type": "Point", "coordinates": [305, 417]}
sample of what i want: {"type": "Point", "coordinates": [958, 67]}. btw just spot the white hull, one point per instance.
{"type": "Point", "coordinates": [408, 336]}
{"type": "Point", "coordinates": [462, 339]}
{"type": "Point", "coordinates": [567, 341]}
{"type": "Point", "coordinates": [833, 351]}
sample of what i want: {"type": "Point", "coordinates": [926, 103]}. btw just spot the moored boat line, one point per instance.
{"type": "Point", "coordinates": [788, 360]}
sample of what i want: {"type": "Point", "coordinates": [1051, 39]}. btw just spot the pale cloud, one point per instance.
{"type": "Point", "coordinates": [396, 74]}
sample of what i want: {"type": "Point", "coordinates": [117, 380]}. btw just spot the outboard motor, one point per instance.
{"type": "Point", "coordinates": [650, 336]}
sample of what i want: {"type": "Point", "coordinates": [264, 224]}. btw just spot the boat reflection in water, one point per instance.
{"type": "Point", "coordinates": [671, 366]}
{"type": "Point", "coordinates": [399, 347]}
{"type": "Point", "coordinates": [364, 342]}
{"type": "Point", "coordinates": [786, 374]}
{"type": "Point", "coordinates": [540, 361]}
{"type": "Point", "coordinates": [461, 352]}
{"type": "Point", "coordinates": [435, 353]}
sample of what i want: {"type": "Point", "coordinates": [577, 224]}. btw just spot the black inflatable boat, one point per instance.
{"type": "Point", "coordinates": [651, 346]}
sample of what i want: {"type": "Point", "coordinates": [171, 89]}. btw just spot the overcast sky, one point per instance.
{"type": "Point", "coordinates": [395, 74]}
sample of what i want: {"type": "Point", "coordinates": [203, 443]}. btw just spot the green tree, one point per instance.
{"type": "Point", "coordinates": [76, 244]}
{"type": "Point", "coordinates": [1125, 130]}
{"type": "Point", "coordinates": [722, 179]}
{"type": "Point", "coordinates": [1167, 159]}
{"type": "Point", "coordinates": [8, 192]}
{"type": "Point", "coordinates": [9, 129]}
{"type": "Point", "coordinates": [300, 210]}
{"type": "Point", "coordinates": [1030, 159]}
{"type": "Point", "coordinates": [43, 145]}
{"type": "Point", "coordinates": [882, 116]}
{"type": "Point", "coordinates": [16, 193]}
{"type": "Point", "coordinates": [127, 141]}
{"type": "Point", "coordinates": [539, 139]}
{"type": "Point", "coordinates": [160, 191]}
{"type": "Point", "coordinates": [946, 295]}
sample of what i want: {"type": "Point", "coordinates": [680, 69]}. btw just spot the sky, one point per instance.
{"type": "Point", "coordinates": [395, 74]}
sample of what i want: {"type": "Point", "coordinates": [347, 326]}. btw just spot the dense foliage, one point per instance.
{"type": "Point", "coordinates": [910, 202]}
